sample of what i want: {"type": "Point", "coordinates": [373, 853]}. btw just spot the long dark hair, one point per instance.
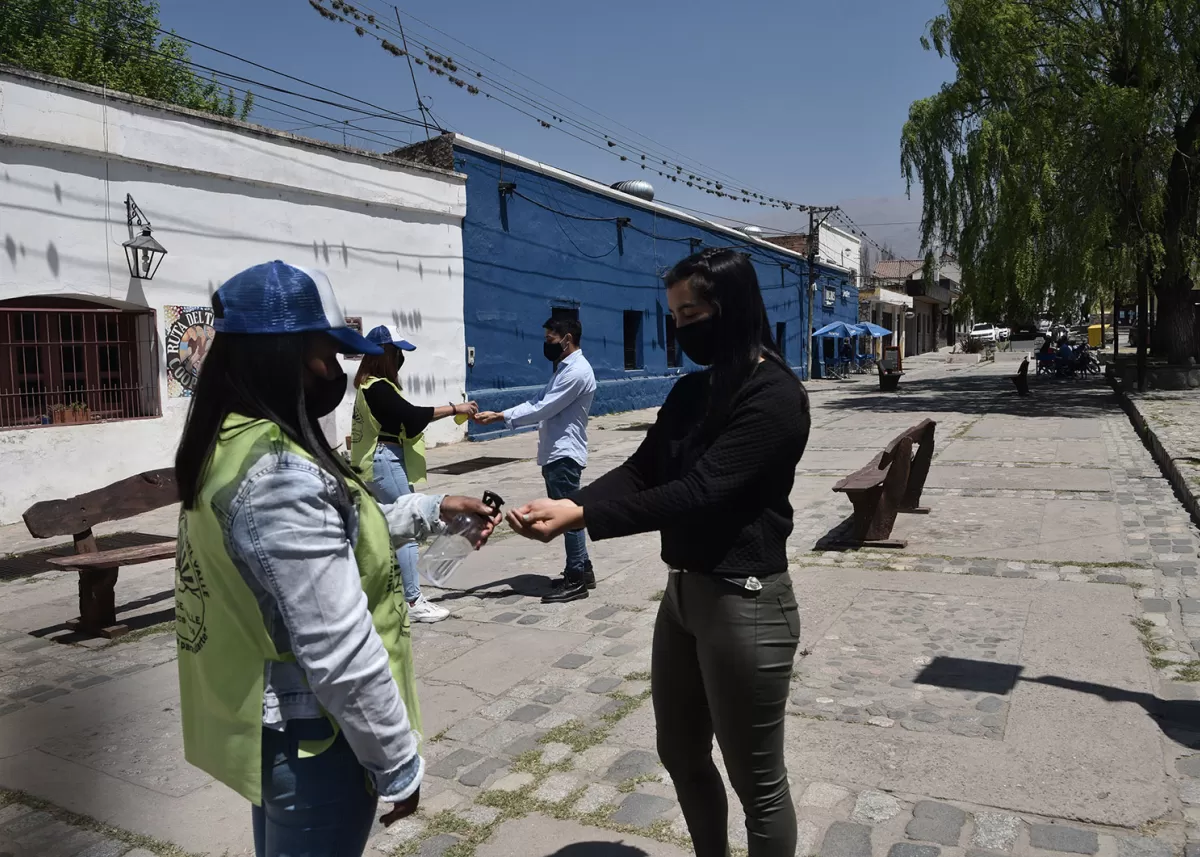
{"type": "Point", "coordinates": [726, 279]}
{"type": "Point", "coordinates": [385, 365]}
{"type": "Point", "coordinates": [257, 376]}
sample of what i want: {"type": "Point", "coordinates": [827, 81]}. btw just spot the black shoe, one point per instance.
{"type": "Point", "coordinates": [571, 589]}
{"type": "Point", "coordinates": [589, 578]}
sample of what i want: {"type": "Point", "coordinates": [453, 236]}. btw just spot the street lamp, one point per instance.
{"type": "Point", "coordinates": [143, 253]}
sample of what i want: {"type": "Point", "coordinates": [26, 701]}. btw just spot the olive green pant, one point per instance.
{"type": "Point", "coordinates": [722, 665]}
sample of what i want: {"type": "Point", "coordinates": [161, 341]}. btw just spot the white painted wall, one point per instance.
{"type": "Point", "coordinates": [222, 196]}
{"type": "Point", "coordinates": [841, 249]}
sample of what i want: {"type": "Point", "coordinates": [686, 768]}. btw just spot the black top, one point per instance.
{"type": "Point", "coordinates": [396, 414]}
{"type": "Point", "coordinates": [723, 508]}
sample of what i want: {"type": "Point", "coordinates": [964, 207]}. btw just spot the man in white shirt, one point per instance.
{"type": "Point", "coordinates": [561, 414]}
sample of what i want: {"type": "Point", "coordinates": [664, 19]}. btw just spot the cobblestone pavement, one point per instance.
{"type": "Point", "coordinates": [1021, 680]}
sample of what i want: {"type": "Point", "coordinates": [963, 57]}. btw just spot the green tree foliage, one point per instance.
{"type": "Point", "coordinates": [1063, 161]}
{"type": "Point", "coordinates": [112, 43]}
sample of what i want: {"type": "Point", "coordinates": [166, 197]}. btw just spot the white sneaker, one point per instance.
{"type": "Point", "coordinates": [422, 610]}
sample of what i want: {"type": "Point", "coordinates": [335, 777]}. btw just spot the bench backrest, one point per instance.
{"type": "Point", "coordinates": [921, 432]}
{"type": "Point", "coordinates": [77, 515]}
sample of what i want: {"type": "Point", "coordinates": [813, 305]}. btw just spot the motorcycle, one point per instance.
{"type": "Point", "coordinates": [1086, 362]}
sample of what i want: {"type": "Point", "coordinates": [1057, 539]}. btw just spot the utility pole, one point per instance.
{"type": "Point", "coordinates": [814, 227]}
{"type": "Point", "coordinates": [412, 72]}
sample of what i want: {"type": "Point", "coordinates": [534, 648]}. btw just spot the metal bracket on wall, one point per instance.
{"type": "Point", "coordinates": [506, 190]}
{"type": "Point", "coordinates": [622, 222]}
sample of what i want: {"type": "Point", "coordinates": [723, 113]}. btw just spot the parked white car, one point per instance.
{"type": "Point", "coordinates": [1003, 334]}
{"type": "Point", "coordinates": [985, 332]}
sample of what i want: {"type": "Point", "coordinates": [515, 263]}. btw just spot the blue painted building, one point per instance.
{"type": "Point", "coordinates": [540, 242]}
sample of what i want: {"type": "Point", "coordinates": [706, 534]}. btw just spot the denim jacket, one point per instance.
{"type": "Point", "coordinates": [291, 533]}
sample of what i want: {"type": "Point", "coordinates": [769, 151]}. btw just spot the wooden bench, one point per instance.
{"type": "Point", "coordinates": [891, 484]}
{"type": "Point", "coordinates": [98, 569]}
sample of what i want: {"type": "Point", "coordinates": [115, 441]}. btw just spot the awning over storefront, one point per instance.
{"type": "Point", "coordinates": [887, 297]}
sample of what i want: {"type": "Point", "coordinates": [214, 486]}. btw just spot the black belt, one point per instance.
{"type": "Point", "coordinates": [390, 438]}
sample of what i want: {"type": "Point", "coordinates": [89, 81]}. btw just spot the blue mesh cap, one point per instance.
{"type": "Point", "coordinates": [382, 335]}
{"type": "Point", "coordinates": [276, 297]}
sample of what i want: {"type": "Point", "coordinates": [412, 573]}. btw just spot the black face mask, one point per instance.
{"type": "Point", "coordinates": [553, 351]}
{"type": "Point", "coordinates": [698, 341]}
{"type": "Point", "coordinates": [323, 395]}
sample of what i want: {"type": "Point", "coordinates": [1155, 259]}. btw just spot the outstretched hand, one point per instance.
{"type": "Point", "coordinates": [544, 520]}
{"type": "Point", "coordinates": [485, 418]}
{"type": "Point", "coordinates": [452, 506]}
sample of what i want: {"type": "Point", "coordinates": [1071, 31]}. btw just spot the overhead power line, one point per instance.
{"type": "Point", "coordinates": [499, 62]}
{"type": "Point", "coordinates": [492, 87]}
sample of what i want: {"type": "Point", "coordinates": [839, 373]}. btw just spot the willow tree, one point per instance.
{"type": "Point", "coordinates": [1063, 158]}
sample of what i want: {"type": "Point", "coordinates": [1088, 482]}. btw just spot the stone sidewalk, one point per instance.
{"type": "Point", "coordinates": [1019, 681]}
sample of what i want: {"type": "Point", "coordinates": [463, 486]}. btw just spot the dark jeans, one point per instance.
{"type": "Point", "coordinates": [562, 479]}
{"type": "Point", "coordinates": [319, 806]}
{"type": "Point", "coordinates": [722, 664]}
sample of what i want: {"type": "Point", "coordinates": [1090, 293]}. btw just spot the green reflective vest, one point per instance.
{"type": "Point", "coordinates": [364, 435]}
{"type": "Point", "coordinates": [222, 640]}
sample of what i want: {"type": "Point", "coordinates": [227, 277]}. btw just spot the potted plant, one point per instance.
{"type": "Point", "coordinates": [79, 413]}
{"type": "Point", "coordinates": [58, 414]}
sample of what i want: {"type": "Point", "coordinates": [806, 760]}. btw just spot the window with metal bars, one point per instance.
{"type": "Point", "coordinates": [65, 361]}
{"type": "Point", "coordinates": [633, 339]}
{"type": "Point", "coordinates": [674, 356]}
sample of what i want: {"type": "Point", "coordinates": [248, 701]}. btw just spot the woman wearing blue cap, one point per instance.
{"type": "Point", "coordinates": [297, 687]}
{"type": "Point", "coordinates": [387, 447]}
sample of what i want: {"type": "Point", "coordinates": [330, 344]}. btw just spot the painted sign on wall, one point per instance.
{"type": "Point", "coordinates": [189, 332]}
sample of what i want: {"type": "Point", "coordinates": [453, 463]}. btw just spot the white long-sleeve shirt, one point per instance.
{"type": "Point", "coordinates": [561, 410]}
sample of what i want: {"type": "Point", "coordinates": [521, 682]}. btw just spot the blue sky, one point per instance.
{"type": "Point", "coordinates": [800, 99]}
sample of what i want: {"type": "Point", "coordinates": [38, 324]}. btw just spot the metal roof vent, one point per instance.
{"type": "Point", "coordinates": [636, 187]}
{"type": "Point", "coordinates": [753, 231]}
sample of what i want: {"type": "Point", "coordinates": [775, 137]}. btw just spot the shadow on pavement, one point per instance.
{"type": "Point", "coordinates": [62, 634]}
{"type": "Point", "coordinates": [599, 849]}
{"type": "Point", "coordinates": [1179, 719]}
{"type": "Point", "coordinates": [987, 394]}
{"type": "Point", "coordinates": [534, 585]}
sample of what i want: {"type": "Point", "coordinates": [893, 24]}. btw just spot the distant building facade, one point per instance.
{"type": "Point", "coordinates": [540, 242]}
{"type": "Point", "coordinates": [929, 322]}
{"type": "Point", "coordinates": [97, 366]}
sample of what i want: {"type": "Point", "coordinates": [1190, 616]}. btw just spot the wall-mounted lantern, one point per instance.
{"type": "Point", "coordinates": [143, 253]}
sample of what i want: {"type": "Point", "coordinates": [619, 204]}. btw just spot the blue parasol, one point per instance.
{"type": "Point", "coordinates": [836, 330]}
{"type": "Point", "coordinates": [874, 330]}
